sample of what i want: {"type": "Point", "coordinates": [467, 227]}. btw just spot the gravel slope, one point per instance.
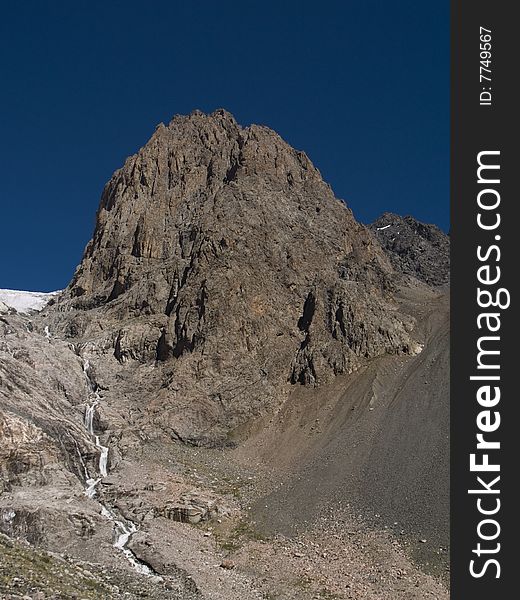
{"type": "Point", "coordinates": [376, 445]}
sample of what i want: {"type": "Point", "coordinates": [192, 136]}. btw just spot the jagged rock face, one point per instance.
{"type": "Point", "coordinates": [415, 248]}
{"type": "Point", "coordinates": [42, 390]}
{"type": "Point", "coordinates": [221, 258]}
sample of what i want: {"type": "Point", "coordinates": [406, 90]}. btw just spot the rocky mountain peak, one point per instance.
{"type": "Point", "coordinates": [221, 257]}
{"type": "Point", "coordinates": [176, 177]}
{"type": "Point", "coordinates": [226, 299]}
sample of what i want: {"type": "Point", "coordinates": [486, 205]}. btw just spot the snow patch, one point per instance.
{"type": "Point", "coordinates": [25, 302]}
{"type": "Point", "coordinates": [381, 228]}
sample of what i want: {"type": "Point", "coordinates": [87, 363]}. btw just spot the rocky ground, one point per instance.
{"type": "Point", "coordinates": [376, 441]}
{"type": "Point", "coordinates": [277, 528]}
{"type": "Point", "coordinates": [27, 572]}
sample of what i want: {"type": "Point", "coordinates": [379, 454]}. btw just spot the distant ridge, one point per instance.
{"type": "Point", "coordinates": [414, 248]}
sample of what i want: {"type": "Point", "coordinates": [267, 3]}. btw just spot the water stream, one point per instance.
{"type": "Point", "coordinates": [103, 457]}
{"type": "Point", "coordinates": [124, 532]}
{"type": "Point", "coordinates": [93, 400]}
{"type": "Point", "coordinates": [124, 529]}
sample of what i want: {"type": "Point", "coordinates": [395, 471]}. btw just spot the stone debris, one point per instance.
{"type": "Point", "coordinates": [193, 508]}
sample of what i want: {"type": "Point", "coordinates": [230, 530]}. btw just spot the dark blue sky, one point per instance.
{"type": "Point", "coordinates": [361, 86]}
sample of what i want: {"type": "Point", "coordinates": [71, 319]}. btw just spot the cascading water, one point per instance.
{"type": "Point", "coordinates": [123, 529]}
{"type": "Point", "coordinates": [103, 458]}
{"type": "Point", "coordinates": [90, 411]}
{"type": "Point", "coordinates": [89, 418]}
{"type": "Point", "coordinates": [90, 490]}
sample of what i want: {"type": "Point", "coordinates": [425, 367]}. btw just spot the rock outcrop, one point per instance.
{"type": "Point", "coordinates": [42, 393]}
{"type": "Point", "coordinates": [224, 268]}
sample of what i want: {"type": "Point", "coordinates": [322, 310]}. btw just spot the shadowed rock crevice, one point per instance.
{"type": "Point", "coordinates": [308, 313]}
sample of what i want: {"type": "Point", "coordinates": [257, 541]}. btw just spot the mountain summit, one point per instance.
{"type": "Point", "coordinates": [221, 257]}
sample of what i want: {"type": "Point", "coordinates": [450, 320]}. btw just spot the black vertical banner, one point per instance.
{"type": "Point", "coordinates": [485, 235]}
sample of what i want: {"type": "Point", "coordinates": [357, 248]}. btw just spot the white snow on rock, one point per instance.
{"type": "Point", "coordinates": [381, 228]}
{"type": "Point", "coordinates": [25, 302]}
